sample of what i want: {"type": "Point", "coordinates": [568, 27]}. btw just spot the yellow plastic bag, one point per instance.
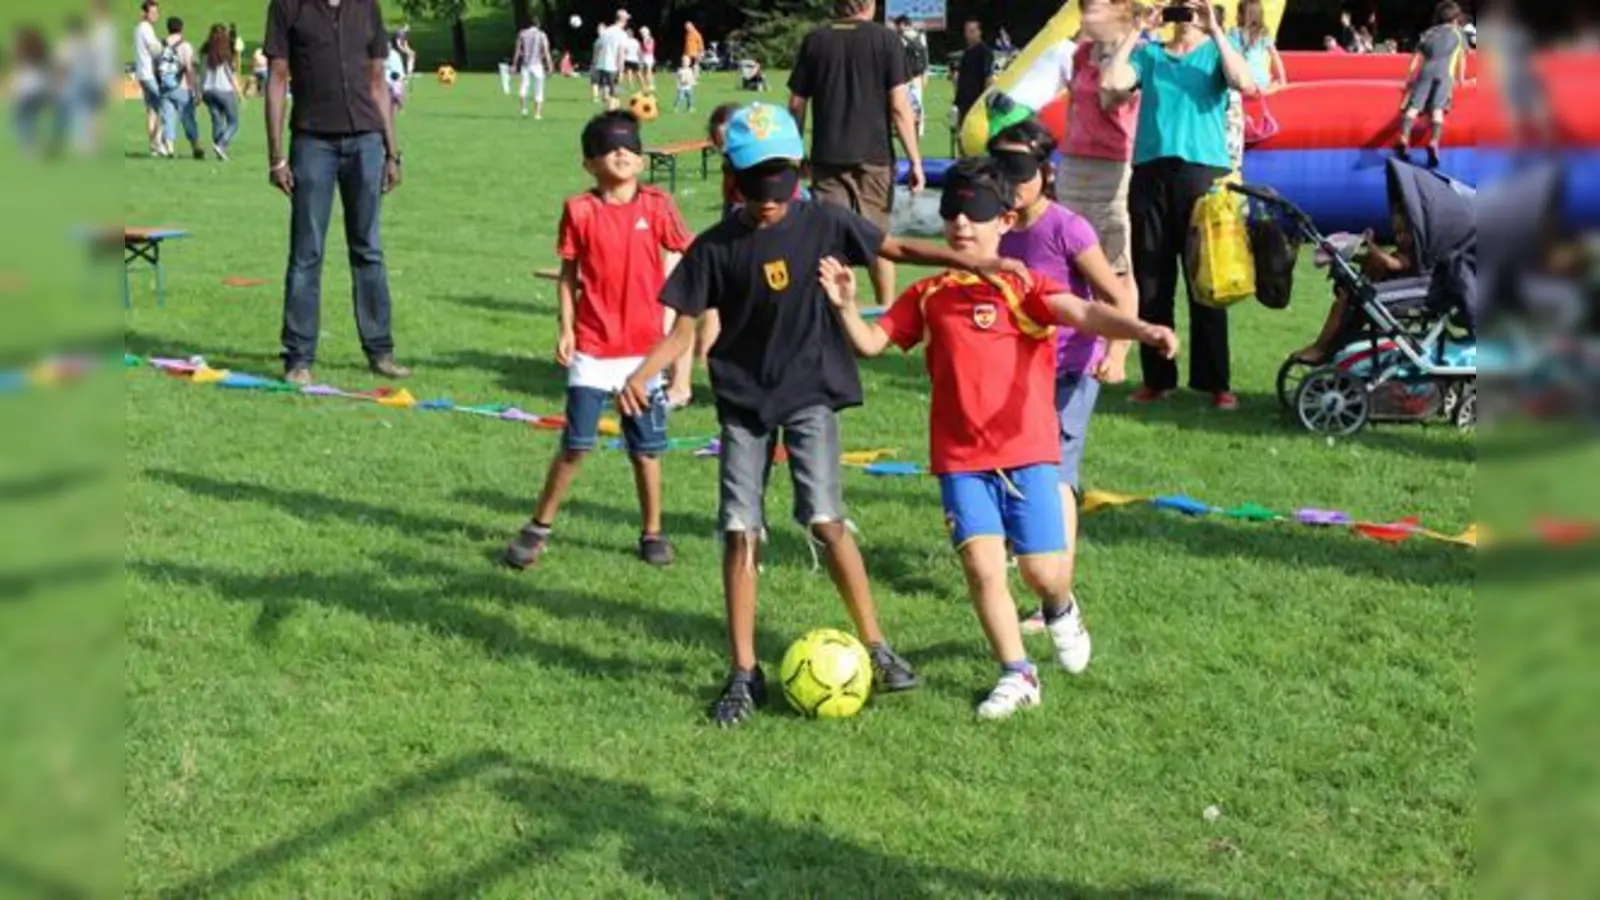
{"type": "Point", "coordinates": [1222, 270]}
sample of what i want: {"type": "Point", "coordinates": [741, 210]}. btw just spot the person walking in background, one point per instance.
{"type": "Point", "coordinates": [402, 43]}
{"type": "Point", "coordinates": [694, 45]}
{"type": "Point", "coordinates": [916, 69]}
{"type": "Point", "coordinates": [852, 73]}
{"type": "Point", "coordinates": [975, 72]}
{"type": "Point", "coordinates": [1180, 150]}
{"type": "Point", "coordinates": [31, 89]}
{"type": "Point", "coordinates": [146, 47]}
{"type": "Point", "coordinates": [647, 57]}
{"type": "Point", "coordinates": [342, 142]}
{"type": "Point", "coordinates": [608, 59]}
{"type": "Point", "coordinates": [175, 76]}
{"type": "Point", "coordinates": [220, 90]}
{"type": "Point", "coordinates": [1439, 64]}
{"type": "Point", "coordinates": [236, 42]}
{"type": "Point", "coordinates": [394, 70]}
{"type": "Point", "coordinates": [531, 60]}
{"type": "Point", "coordinates": [687, 79]}
{"type": "Point", "coordinates": [258, 73]}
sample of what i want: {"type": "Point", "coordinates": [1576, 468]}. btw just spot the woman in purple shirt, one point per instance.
{"type": "Point", "coordinates": [1055, 241]}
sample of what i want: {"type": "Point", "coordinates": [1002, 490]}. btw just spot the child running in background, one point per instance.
{"type": "Point", "coordinates": [1061, 245]}
{"type": "Point", "coordinates": [993, 443]}
{"type": "Point", "coordinates": [1439, 64]}
{"type": "Point", "coordinates": [782, 365]}
{"type": "Point", "coordinates": [618, 243]}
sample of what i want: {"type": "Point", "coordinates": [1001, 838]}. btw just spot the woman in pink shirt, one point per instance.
{"type": "Point", "coordinates": [1098, 163]}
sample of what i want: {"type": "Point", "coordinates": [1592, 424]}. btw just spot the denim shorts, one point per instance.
{"type": "Point", "coordinates": [812, 439]}
{"type": "Point", "coordinates": [1075, 400]}
{"type": "Point", "coordinates": [1022, 506]}
{"type": "Point", "coordinates": [644, 435]}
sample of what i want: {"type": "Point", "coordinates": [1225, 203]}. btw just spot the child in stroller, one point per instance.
{"type": "Point", "coordinates": [1398, 343]}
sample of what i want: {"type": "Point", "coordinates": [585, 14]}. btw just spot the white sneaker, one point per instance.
{"type": "Point", "coordinates": [1033, 622]}
{"type": "Point", "coordinates": [1071, 640]}
{"type": "Point", "coordinates": [1014, 691]}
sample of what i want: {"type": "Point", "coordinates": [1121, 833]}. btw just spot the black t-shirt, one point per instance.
{"type": "Point", "coordinates": [973, 74]}
{"type": "Point", "coordinates": [782, 348]}
{"type": "Point", "coordinates": [847, 70]}
{"type": "Point", "coordinates": [330, 51]}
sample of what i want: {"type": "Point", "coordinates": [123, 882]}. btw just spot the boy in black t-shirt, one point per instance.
{"type": "Point", "coordinates": [782, 362]}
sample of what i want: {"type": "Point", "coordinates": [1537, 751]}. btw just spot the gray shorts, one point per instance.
{"type": "Point", "coordinates": [1431, 94]}
{"type": "Point", "coordinates": [812, 438]}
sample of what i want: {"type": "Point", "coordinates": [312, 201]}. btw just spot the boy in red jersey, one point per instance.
{"type": "Point", "coordinates": [618, 243]}
{"type": "Point", "coordinates": [995, 443]}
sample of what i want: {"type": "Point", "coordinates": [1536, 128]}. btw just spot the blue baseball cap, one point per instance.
{"type": "Point", "coordinates": [762, 132]}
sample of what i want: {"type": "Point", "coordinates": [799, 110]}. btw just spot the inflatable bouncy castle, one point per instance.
{"type": "Point", "coordinates": [1327, 135]}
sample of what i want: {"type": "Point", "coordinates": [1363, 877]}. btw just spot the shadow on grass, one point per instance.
{"type": "Point", "coordinates": [490, 303]}
{"type": "Point", "coordinates": [622, 518]}
{"type": "Point", "coordinates": [1260, 415]}
{"type": "Point", "coordinates": [148, 345]}
{"type": "Point", "coordinates": [536, 375]}
{"type": "Point", "coordinates": [28, 882]}
{"type": "Point", "coordinates": [683, 845]}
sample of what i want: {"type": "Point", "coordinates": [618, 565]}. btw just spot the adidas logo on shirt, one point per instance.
{"type": "Point", "coordinates": [641, 225]}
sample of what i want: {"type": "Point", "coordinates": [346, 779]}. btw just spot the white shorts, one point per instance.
{"type": "Point", "coordinates": [535, 76]}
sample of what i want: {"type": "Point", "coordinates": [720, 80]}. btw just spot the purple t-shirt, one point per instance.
{"type": "Point", "coordinates": [1050, 247]}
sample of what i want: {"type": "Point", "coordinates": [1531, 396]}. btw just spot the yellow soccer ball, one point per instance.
{"type": "Point", "coordinates": [447, 75]}
{"type": "Point", "coordinates": [643, 106]}
{"type": "Point", "coordinates": [827, 675]}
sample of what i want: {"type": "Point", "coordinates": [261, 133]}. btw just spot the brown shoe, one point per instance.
{"type": "Point", "coordinates": [388, 368]}
{"type": "Point", "coordinates": [299, 376]}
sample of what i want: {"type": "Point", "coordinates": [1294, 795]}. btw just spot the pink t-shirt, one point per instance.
{"type": "Point", "coordinates": [1092, 131]}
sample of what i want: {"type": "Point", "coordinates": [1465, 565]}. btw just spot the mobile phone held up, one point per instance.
{"type": "Point", "coordinates": [1178, 14]}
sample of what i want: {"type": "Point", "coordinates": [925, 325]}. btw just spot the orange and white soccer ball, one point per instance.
{"type": "Point", "coordinates": [447, 75]}
{"type": "Point", "coordinates": [643, 106]}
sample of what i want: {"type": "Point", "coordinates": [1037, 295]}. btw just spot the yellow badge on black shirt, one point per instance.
{"type": "Point", "coordinates": [777, 275]}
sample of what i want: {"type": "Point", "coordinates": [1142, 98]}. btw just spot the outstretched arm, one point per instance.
{"type": "Point", "coordinates": [928, 253]}
{"type": "Point", "coordinates": [839, 283]}
{"type": "Point", "coordinates": [1110, 322]}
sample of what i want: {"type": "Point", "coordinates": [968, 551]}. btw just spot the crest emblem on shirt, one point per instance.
{"type": "Point", "coordinates": [983, 315]}
{"type": "Point", "coordinates": [777, 274]}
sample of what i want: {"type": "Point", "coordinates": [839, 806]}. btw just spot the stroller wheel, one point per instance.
{"type": "Point", "coordinates": [1290, 374]}
{"type": "Point", "coordinates": [1333, 402]}
{"type": "Point", "coordinates": [1465, 416]}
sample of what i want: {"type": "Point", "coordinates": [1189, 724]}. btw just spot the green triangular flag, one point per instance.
{"type": "Point", "coordinates": [131, 360]}
{"type": "Point", "coordinates": [1251, 512]}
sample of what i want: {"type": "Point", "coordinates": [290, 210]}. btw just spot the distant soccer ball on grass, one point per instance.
{"type": "Point", "coordinates": [827, 675]}
{"type": "Point", "coordinates": [576, 21]}
{"type": "Point", "coordinates": [644, 107]}
{"type": "Point", "coordinates": [447, 75]}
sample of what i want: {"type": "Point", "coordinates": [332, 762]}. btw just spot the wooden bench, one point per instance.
{"type": "Point", "coordinates": [143, 245]}
{"type": "Point", "coordinates": [664, 159]}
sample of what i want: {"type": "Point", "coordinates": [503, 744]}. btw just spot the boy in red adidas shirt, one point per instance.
{"type": "Point", "coordinates": [618, 243]}
{"type": "Point", "coordinates": [993, 433]}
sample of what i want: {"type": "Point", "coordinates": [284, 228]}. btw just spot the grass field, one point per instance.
{"type": "Point", "coordinates": [332, 691]}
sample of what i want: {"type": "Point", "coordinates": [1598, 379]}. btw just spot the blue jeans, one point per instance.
{"type": "Point", "coordinates": [179, 106]}
{"type": "Point", "coordinates": [684, 100]}
{"type": "Point", "coordinates": [224, 109]}
{"type": "Point", "coordinates": [352, 165]}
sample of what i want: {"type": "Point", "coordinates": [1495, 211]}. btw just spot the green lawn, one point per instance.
{"type": "Point", "coordinates": [332, 691]}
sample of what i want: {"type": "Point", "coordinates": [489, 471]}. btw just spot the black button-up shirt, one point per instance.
{"type": "Point", "coordinates": [329, 49]}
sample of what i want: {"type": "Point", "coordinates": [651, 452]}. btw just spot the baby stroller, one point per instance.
{"type": "Point", "coordinates": [1406, 349]}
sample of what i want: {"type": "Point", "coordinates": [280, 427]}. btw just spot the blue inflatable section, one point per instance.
{"type": "Point", "coordinates": [1345, 190]}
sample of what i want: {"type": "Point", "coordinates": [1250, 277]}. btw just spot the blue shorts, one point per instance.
{"type": "Point", "coordinates": [645, 435]}
{"type": "Point", "coordinates": [1075, 400]}
{"type": "Point", "coordinates": [1022, 506]}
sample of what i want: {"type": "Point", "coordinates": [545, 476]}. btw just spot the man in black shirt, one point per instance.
{"type": "Point", "coordinates": [851, 72]}
{"type": "Point", "coordinates": [975, 73]}
{"type": "Point", "coordinates": [782, 364]}
{"type": "Point", "coordinates": [343, 140]}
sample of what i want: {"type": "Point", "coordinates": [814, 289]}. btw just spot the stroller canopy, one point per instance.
{"type": "Point", "coordinates": [1439, 208]}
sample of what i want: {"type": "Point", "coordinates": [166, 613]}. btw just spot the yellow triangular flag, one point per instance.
{"type": "Point", "coordinates": [1094, 501]}
{"type": "Point", "coordinates": [610, 427]}
{"type": "Point", "coordinates": [1468, 538]}
{"type": "Point", "coordinates": [865, 457]}
{"type": "Point", "coordinates": [400, 399]}
{"type": "Point", "coordinates": [208, 375]}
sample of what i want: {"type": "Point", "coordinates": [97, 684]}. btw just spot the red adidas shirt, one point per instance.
{"type": "Point", "coordinates": [620, 272]}
{"type": "Point", "coordinates": [991, 356]}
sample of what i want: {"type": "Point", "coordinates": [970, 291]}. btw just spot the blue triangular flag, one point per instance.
{"type": "Point", "coordinates": [1179, 503]}
{"type": "Point", "coordinates": [893, 468]}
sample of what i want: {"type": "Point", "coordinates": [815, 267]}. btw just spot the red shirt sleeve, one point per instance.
{"type": "Point", "coordinates": [1035, 302]}
{"type": "Point", "coordinates": [904, 323]}
{"type": "Point", "coordinates": [569, 243]}
{"type": "Point", "coordinates": [674, 235]}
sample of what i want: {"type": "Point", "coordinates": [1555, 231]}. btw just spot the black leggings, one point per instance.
{"type": "Point", "coordinates": [1161, 198]}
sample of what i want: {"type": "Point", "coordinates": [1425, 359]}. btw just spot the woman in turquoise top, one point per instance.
{"type": "Point", "coordinates": [1180, 149]}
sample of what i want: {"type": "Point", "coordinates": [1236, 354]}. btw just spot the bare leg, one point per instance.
{"type": "Point", "coordinates": [849, 575]}
{"type": "Point", "coordinates": [1318, 352]}
{"type": "Point", "coordinates": [983, 561]}
{"type": "Point", "coordinates": [647, 484]}
{"type": "Point", "coordinates": [883, 281]}
{"type": "Point", "coordinates": [557, 482]}
{"type": "Point", "coordinates": [740, 551]}
{"type": "Point", "coordinates": [1049, 576]}
{"type": "Point", "coordinates": [1069, 521]}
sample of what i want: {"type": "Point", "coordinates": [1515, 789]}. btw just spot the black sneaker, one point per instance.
{"type": "Point", "coordinates": [528, 548]}
{"type": "Point", "coordinates": [740, 697]}
{"type": "Point", "coordinates": [891, 672]}
{"type": "Point", "coordinates": [1433, 158]}
{"type": "Point", "coordinates": [656, 550]}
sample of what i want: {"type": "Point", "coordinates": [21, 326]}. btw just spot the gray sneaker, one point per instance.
{"type": "Point", "coordinates": [743, 692]}
{"type": "Point", "coordinates": [528, 548]}
{"type": "Point", "coordinates": [891, 672]}
{"type": "Point", "coordinates": [299, 376]}
{"type": "Point", "coordinates": [388, 368]}
{"type": "Point", "coordinates": [656, 550]}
